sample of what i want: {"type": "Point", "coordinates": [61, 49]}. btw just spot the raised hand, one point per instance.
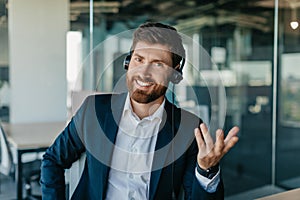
{"type": "Point", "coordinates": [210, 153]}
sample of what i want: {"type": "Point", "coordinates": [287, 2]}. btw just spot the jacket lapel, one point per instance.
{"type": "Point", "coordinates": [109, 124]}
{"type": "Point", "coordinates": [163, 151]}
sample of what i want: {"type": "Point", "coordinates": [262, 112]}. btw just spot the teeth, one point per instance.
{"type": "Point", "coordinates": [143, 84]}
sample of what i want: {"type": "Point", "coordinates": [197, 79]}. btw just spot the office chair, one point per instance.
{"type": "Point", "coordinates": [6, 160]}
{"type": "Point", "coordinates": [31, 169]}
{"type": "Point", "coordinates": [31, 173]}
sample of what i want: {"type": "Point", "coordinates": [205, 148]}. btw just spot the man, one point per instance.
{"type": "Point", "coordinates": [138, 145]}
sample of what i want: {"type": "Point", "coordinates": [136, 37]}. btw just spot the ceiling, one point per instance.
{"type": "Point", "coordinates": [186, 15]}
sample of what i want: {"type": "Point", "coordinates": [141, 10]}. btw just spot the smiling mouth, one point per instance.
{"type": "Point", "coordinates": [144, 84]}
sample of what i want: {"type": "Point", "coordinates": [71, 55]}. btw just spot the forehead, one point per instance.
{"type": "Point", "coordinates": [160, 50]}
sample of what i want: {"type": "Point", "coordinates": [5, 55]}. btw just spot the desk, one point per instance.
{"type": "Point", "coordinates": [30, 137]}
{"type": "Point", "coordinates": [288, 195]}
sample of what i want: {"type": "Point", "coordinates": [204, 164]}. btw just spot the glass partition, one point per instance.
{"type": "Point", "coordinates": [230, 39]}
{"type": "Point", "coordinates": [240, 70]}
{"type": "Point", "coordinates": [4, 64]}
{"type": "Point", "coordinates": [288, 126]}
{"type": "Point", "coordinates": [245, 36]}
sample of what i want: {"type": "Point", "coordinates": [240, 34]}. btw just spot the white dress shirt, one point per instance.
{"type": "Point", "coordinates": [129, 176]}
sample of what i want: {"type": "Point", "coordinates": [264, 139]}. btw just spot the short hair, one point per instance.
{"type": "Point", "coordinates": [158, 33]}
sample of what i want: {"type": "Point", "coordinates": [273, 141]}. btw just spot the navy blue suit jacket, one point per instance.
{"type": "Point", "coordinates": [93, 130]}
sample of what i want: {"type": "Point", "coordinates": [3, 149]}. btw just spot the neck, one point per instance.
{"type": "Point", "coordinates": [143, 110]}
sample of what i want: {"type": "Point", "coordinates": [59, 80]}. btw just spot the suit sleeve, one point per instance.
{"type": "Point", "coordinates": [65, 150]}
{"type": "Point", "coordinates": [193, 190]}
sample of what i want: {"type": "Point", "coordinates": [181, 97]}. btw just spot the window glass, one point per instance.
{"type": "Point", "coordinates": [4, 64]}
{"type": "Point", "coordinates": [228, 72]}
{"type": "Point", "coordinates": [288, 137]}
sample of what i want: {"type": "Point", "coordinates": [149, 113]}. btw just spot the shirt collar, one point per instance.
{"type": "Point", "coordinates": [156, 115]}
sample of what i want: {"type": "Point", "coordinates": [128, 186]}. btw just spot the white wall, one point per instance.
{"type": "Point", "coordinates": [37, 43]}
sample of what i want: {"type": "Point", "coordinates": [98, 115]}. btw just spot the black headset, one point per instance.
{"type": "Point", "coordinates": [176, 76]}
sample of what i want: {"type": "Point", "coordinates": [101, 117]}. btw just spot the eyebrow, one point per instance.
{"type": "Point", "coordinates": [155, 60]}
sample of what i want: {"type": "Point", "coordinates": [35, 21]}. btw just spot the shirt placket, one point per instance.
{"type": "Point", "coordinates": [133, 182]}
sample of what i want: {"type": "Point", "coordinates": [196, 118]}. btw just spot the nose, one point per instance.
{"type": "Point", "coordinates": [146, 68]}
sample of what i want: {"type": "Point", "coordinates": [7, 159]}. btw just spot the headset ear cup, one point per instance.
{"type": "Point", "coordinates": [176, 77]}
{"type": "Point", "coordinates": [127, 61]}
{"type": "Point", "coordinates": [177, 74]}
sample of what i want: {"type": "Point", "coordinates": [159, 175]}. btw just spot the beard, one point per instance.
{"type": "Point", "coordinates": [145, 97]}
{"type": "Point", "coordinates": [141, 96]}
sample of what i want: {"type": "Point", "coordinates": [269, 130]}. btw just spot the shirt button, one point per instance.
{"type": "Point", "coordinates": [130, 195]}
{"type": "Point", "coordinates": [131, 175]}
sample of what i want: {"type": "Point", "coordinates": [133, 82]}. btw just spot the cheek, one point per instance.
{"type": "Point", "coordinates": [129, 74]}
{"type": "Point", "coordinates": [164, 80]}
{"type": "Point", "coordinates": [128, 80]}
{"type": "Point", "coordinates": [168, 76]}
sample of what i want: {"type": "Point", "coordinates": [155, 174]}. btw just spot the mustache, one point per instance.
{"type": "Point", "coordinates": [144, 79]}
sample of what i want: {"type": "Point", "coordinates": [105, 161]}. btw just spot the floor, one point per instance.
{"type": "Point", "coordinates": [8, 188]}
{"type": "Point", "coordinates": [7, 191]}
{"type": "Point", "coordinates": [256, 193]}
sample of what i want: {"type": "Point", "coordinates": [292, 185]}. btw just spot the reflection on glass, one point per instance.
{"type": "Point", "coordinates": [288, 137]}
{"type": "Point", "coordinates": [5, 89]}
{"type": "Point", "coordinates": [290, 88]}
{"type": "Point", "coordinates": [236, 44]}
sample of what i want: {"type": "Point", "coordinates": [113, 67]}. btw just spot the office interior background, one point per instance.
{"type": "Point", "coordinates": [49, 49]}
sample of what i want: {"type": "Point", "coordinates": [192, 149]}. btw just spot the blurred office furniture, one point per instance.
{"type": "Point", "coordinates": [288, 195]}
{"type": "Point", "coordinates": [6, 160]}
{"type": "Point", "coordinates": [4, 113]}
{"type": "Point", "coordinates": [4, 93]}
{"type": "Point", "coordinates": [31, 168]}
{"type": "Point", "coordinates": [25, 142]}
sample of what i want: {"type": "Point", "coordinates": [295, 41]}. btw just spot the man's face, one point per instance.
{"type": "Point", "coordinates": [149, 71]}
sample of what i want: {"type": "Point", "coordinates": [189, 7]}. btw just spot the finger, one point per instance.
{"type": "Point", "coordinates": [232, 133]}
{"type": "Point", "coordinates": [206, 136]}
{"type": "Point", "coordinates": [219, 145]}
{"type": "Point", "coordinates": [230, 144]}
{"type": "Point", "coordinates": [199, 139]}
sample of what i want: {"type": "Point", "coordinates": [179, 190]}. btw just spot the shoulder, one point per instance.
{"type": "Point", "coordinates": [105, 98]}
{"type": "Point", "coordinates": [189, 118]}
{"type": "Point", "coordinates": [179, 111]}
{"type": "Point", "coordinates": [100, 103]}
{"type": "Point", "coordinates": [182, 116]}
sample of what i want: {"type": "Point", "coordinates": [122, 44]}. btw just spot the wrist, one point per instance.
{"type": "Point", "coordinates": [208, 173]}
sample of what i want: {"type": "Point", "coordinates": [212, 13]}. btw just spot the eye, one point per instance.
{"type": "Point", "coordinates": [158, 64]}
{"type": "Point", "coordinates": [137, 59]}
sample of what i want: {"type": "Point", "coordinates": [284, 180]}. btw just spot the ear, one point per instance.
{"type": "Point", "coordinates": [176, 76]}
{"type": "Point", "coordinates": [177, 67]}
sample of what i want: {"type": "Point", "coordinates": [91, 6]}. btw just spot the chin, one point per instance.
{"type": "Point", "coordinates": [141, 97]}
